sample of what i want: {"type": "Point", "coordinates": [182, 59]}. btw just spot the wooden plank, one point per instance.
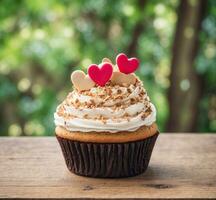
{"type": "Point", "coordinates": [182, 166]}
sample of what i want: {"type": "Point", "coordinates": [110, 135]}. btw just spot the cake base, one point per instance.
{"type": "Point", "coordinates": [107, 137]}
{"type": "Point", "coordinates": [107, 159]}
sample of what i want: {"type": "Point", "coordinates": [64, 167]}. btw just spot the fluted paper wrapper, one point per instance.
{"type": "Point", "coordinates": [107, 159]}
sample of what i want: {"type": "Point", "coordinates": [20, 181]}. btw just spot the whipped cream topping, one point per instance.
{"type": "Point", "coordinates": [112, 108]}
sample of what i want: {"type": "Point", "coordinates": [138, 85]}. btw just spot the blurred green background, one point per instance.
{"type": "Point", "coordinates": [43, 41]}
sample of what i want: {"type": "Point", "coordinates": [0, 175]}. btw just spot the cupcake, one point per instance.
{"type": "Point", "coordinates": [106, 125]}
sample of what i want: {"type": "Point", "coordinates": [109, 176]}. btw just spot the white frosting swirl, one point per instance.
{"type": "Point", "coordinates": [111, 112]}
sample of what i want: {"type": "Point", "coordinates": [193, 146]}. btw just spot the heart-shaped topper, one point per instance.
{"type": "Point", "coordinates": [126, 65]}
{"type": "Point", "coordinates": [119, 78]}
{"type": "Point", "coordinates": [81, 81]}
{"type": "Point", "coordinates": [100, 74]}
{"type": "Point", "coordinates": [115, 68]}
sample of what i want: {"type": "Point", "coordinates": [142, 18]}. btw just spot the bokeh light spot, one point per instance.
{"type": "Point", "coordinates": [34, 128]}
{"type": "Point", "coordinates": [68, 32]}
{"type": "Point", "coordinates": [159, 9]}
{"type": "Point", "coordinates": [4, 69]}
{"type": "Point", "coordinates": [159, 23]}
{"type": "Point", "coordinates": [210, 51]}
{"type": "Point", "coordinates": [25, 33]}
{"type": "Point", "coordinates": [39, 34]}
{"type": "Point", "coordinates": [86, 62]}
{"type": "Point", "coordinates": [14, 130]}
{"type": "Point", "coordinates": [36, 89]}
{"type": "Point", "coordinates": [128, 10]}
{"type": "Point", "coordinates": [185, 85]}
{"type": "Point", "coordinates": [24, 84]}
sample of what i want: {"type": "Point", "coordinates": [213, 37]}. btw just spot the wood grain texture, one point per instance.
{"type": "Point", "coordinates": [182, 166]}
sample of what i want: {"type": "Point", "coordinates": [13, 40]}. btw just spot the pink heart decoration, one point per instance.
{"type": "Point", "coordinates": [100, 75]}
{"type": "Point", "coordinates": [126, 65]}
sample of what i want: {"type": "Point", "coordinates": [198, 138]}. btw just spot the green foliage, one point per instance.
{"type": "Point", "coordinates": [205, 65]}
{"type": "Point", "coordinates": [42, 42]}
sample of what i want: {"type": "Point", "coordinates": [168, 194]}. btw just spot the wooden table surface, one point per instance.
{"type": "Point", "coordinates": [182, 166]}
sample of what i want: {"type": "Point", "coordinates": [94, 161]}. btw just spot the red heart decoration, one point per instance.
{"type": "Point", "coordinates": [100, 75]}
{"type": "Point", "coordinates": [126, 65]}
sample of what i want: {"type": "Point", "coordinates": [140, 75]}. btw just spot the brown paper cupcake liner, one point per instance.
{"type": "Point", "coordinates": [107, 159]}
